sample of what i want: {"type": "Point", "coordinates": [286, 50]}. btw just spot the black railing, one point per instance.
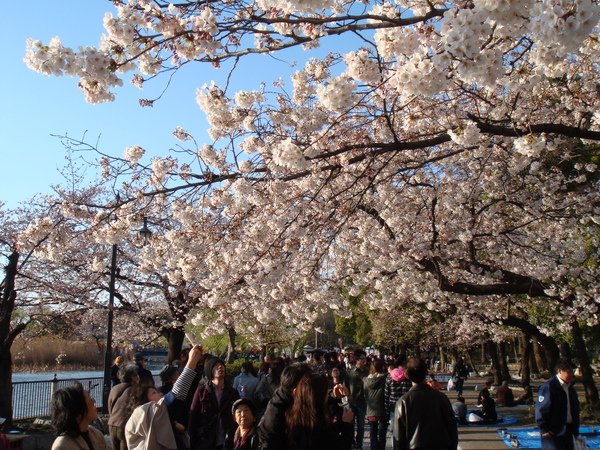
{"type": "Point", "coordinates": [32, 398]}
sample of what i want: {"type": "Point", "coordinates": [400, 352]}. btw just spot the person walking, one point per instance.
{"type": "Point", "coordinates": [247, 381]}
{"type": "Point", "coordinates": [118, 405]}
{"type": "Point", "coordinates": [114, 371]}
{"type": "Point", "coordinates": [424, 417]}
{"type": "Point", "coordinates": [376, 412]}
{"type": "Point", "coordinates": [460, 374]}
{"type": "Point", "coordinates": [357, 392]}
{"type": "Point", "coordinates": [557, 409]}
{"type": "Point", "coordinates": [396, 385]}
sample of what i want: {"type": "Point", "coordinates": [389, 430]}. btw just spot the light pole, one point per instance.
{"type": "Point", "coordinates": [109, 329]}
{"type": "Point", "coordinates": [144, 233]}
{"type": "Point", "coordinates": [317, 331]}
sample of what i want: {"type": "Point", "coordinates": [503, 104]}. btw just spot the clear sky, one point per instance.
{"type": "Point", "coordinates": [35, 107]}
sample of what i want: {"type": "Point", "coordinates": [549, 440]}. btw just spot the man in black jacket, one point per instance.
{"type": "Point", "coordinates": [424, 417]}
{"type": "Point", "coordinates": [210, 413]}
{"type": "Point", "coordinates": [557, 409]}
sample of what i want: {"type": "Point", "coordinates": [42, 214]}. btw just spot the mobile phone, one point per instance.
{"type": "Point", "coordinates": [190, 337]}
{"type": "Point", "coordinates": [345, 403]}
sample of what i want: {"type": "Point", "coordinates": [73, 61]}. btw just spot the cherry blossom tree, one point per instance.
{"type": "Point", "coordinates": [451, 157]}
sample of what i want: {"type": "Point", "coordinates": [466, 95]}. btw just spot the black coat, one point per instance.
{"type": "Point", "coordinates": [425, 419]}
{"type": "Point", "coordinates": [272, 427]}
{"type": "Point", "coordinates": [551, 408]}
{"type": "Point", "coordinates": [205, 413]}
{"type": "Point", "coordinates": [271, 430]}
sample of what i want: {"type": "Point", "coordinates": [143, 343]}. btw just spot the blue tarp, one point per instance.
{"type": "Point", "coordinates": [530, 437]}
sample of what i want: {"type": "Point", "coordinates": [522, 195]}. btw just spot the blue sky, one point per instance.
{"type": "Point", "coordinates": [35, 106]}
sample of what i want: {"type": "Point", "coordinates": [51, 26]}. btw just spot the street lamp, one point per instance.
{"type": "Point", "coordinates": [145, 233]}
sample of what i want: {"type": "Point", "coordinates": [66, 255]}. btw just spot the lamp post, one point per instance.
{"type": "Point", "coordinates": [317, 331]}
{"type": "Point", "coordinates": [109, 329]}
{"type": "Point", "coordinates": [144, 233]}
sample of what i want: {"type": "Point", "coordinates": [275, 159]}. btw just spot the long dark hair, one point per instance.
{"type": "Point", "coordinates": [68, 405]}
{"type": "Point", "coordinates": [308, 412]}
{"type": "Point", "coordinates": [138, 397]}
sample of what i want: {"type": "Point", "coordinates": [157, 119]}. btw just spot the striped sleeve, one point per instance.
{"type": "Point", "coordinates": [183, 383]}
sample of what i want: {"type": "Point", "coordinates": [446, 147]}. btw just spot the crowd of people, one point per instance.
{"type": "Point", "coordinates": [320, 403]}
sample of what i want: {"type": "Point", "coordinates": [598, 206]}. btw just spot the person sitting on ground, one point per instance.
{"type": "Point", "coordinates": [488, 385]}
{"type": "Point", "coordinates": [504, 395]}
{"type": "Point", "coordinates": [152, 425]}
{"type": "Point", "coordinates": [460, 410]}
{"type": "Point", "coordinates": [245, 436]}
{"type": "Point", "coordinates": [487, 414]}
{"type": "Point", "coordinates": [526, 398]}
{"type": "Point", "coordinates": [72, 411]}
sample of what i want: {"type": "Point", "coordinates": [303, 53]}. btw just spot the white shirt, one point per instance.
{"type": "Point", "coordinates": [565, 387]}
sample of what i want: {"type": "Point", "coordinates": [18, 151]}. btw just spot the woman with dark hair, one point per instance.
{"type": "Point", "coordinates": [376, 412]}
{"type": "Point", "coordinates": [309, 423]}
{"type": "Point", "coordinates": [71, 412]}
{"type": "Point", "coordinates": [153, 424]}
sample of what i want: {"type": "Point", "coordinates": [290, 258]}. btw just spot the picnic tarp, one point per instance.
{"type": "Point", "coordinates": [530, 437]}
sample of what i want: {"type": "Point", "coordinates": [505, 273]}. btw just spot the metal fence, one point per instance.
{"type": "Point", "coordinates": [32, 398]}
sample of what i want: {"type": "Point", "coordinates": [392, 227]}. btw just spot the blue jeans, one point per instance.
{"type": "Point", "coordinates": [360, 411]}
{"type": "Point", "coordinates": [378, 432]}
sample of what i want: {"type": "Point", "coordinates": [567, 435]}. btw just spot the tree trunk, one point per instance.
{"type": "Point", "coordinates": [231, 333]}
{"type": "Point", "coordinates": [565, 350]}
{"type": "Point", "coordinates": [591, 392]}
{"type": "Point", "coordinates": [503, 361]}
{"type": "Point", "coordinates": [175, 338]}
{"type": "Point", "coordinates": [442, 360]}
{"type": "Point", "coordinates": [470, 361]}
{"type": "Point", "coordinates": [497, 373]}
{"type": "Point", "coordinates": [263, 352]}
{"type": "Point", "coordinates": [6, 409]}
{"type": "Point", "coordinates": [532, 360]}
{"type": "Point", "coordinates": [540, 357]}
{"type": "Point", "coordinates": [7, 335]}
{"type": "Point", "coordinates": [525, 359]}
{"type": "Point", "coordinates": [547, 342]}
{"type": "Point", "coordinates": [455, 356]}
